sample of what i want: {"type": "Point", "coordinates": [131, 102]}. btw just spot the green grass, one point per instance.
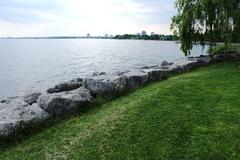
{"type": "Point", "coordinates": [190, 116]}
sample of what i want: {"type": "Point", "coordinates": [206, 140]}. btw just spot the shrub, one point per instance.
{"type": "Point", "coordinates": [225, 49]}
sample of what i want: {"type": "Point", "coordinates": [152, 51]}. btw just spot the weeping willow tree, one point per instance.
{"type": "Point", "coordinates": [206, 21]}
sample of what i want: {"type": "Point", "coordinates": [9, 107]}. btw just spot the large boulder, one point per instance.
{"type": "Point", "coordinates": [79, 80]}
{"type": "Point", "coordinates": [67, 86]}
{"type": "Point", "coordinates": [98, 74]}
{"type": "Point", "coordinates": [120, 83]}
{"type": "Point", "coordinates": [31, 97]}
{"type": "Point", "coordinates": [184, 65]}
{"type": "Point", "coordinates": [150, 67]}
{"type": "Point", "coordinates": [64, 102]}
{"type": "Point", "coordinates": [136, 78]}
{"type": "Point", "coordinates": [226, 56]}
{"type": "Point", "coordinates": [17, 115]}
{"type": "Point", "coordinates": [10, 99]}
{"type": "Point", "coordinates": [165, 63]}
{"type": "Point", "coordinates": [105, 84]}
{"type": "Point", "coordinates": [98, 87]}
{"type": "Point", "coordinates": [201, 60]}
{"type": "Point", "coordinates": [204, 59]}
{"type": "Point", "coordinates": [157, 74]}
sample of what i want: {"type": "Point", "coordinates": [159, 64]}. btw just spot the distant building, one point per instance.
{"type": "Point", "coordinates": [88, 35]}
{"type": "Point", "coordinates": [106, 35]}
{"type": "Point", "coordinates": [144, 33]}
{"type": "Point", "coordinates": [152, 33]}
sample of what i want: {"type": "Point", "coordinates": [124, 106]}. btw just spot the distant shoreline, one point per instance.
{"type": "Point", "coordinates": [155, 37]}
{"type": "Point", "coordinates": [56, 37]}
{"type": "Point", "coordinates": [83, 38]}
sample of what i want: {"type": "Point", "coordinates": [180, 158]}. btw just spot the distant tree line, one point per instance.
{"type": "Point", "coordinates": [148, 37]}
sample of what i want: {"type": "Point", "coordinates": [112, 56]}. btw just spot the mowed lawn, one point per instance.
{"type": "Point", "coordinates": [190, 116]}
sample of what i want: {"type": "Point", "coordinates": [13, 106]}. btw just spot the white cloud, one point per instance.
{"type": "Point", "coordinates": [78, 17]}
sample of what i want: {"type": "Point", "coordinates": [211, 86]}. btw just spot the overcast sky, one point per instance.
{"type": "Point", "coordinates": [79, 17]}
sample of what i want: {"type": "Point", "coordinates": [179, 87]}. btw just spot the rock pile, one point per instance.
{"type": "Point", "coordinates": [36, 108]}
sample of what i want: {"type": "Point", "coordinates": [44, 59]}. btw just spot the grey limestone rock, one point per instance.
{"type": "Point", "coordinates": [18, 114]}
{"type": "Point", "coordinates": [136, 78]}
{"type": "Point", "coordinates": [106, 84]}
{"type": "Point", "coordinates": [67, 86]}
{"type": "Point", "coordinates": [64, 102]}
{"type": "Point", "coordinates": [31, 97]}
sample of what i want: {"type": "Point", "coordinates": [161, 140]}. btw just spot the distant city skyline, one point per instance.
{"type": "Point", "coordinates": [79, 17]}
{"type": "Point", "coordinates": [88, 35]}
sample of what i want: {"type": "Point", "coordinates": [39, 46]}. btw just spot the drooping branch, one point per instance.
{"type": "Point", "coordinates": [206, 21]}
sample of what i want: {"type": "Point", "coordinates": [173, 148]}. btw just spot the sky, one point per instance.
{"type": "Point", "coordinates": [79, 17]}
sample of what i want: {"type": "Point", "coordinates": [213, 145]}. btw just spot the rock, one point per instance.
{"type": "Point", "coordinates": [149, 67]}
{"type": "Point", "coordinates": [157, 74]}
{"type": "Point", "coordinates": [165, 63]}
{"type": "Point", "coordinates": [18, 115]}
{"type": "Point", "coordinates": [98, 74]}
{"type": "Point", "coordinates": [183, 65]}
{"type": "Point", "coordinates": [105, 84]}
{"type": "Point", "coordinates": [68, 86]}
{"type": "Point", "coordinates": [77, 80]}
{"type": "Point", "coordinates": [64, 102]}
{"type": "Point", "coordinates": [31, 98]}
{"type": "Point", "coordinates": [120, 73]}
{"type": "Point", "coordinates": [10, 99]}
{"type": "Point", "coordinates": [136, 78]}
{"type": "Point", "coordinates": [204, 59]}
{"type": "Point", "coordinates": [98, 87]}
{"type": "Point", "coordinates": [120, 83]}
{"type": "Point", "coordinates": [222, 57]}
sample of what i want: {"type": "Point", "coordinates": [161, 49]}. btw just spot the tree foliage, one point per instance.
{"type": "Point", "coordinates": [148, 37]}
{"type": "Point", "coordinates": [206, 21]}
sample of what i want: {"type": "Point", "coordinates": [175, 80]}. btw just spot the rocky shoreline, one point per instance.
{"type": "Point", "coordinates": [33, 109]}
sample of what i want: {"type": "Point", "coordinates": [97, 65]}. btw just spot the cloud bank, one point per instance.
{"type": "Point", "coordinates": [79, 17]}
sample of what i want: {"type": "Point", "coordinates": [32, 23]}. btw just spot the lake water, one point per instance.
{"type": "Point", "coordinates": [29, 64]}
